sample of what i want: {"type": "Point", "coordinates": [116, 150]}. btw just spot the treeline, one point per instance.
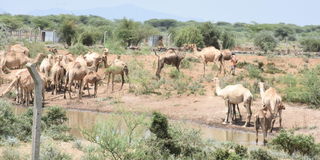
{"type": "Point", "coordinates": [89, 30]}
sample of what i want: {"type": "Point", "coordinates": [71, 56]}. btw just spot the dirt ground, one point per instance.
{"type": "Point", "coordinates": [207, 109]}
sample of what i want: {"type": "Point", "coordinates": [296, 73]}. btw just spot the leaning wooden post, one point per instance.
{"type": "Point", "coordinates": [37, 110]}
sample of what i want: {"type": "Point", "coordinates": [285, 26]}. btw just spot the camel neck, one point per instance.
{"type": "Point", "coordinates": [261, 90]}
{"type": "Point", "coordinates": [218, 89]}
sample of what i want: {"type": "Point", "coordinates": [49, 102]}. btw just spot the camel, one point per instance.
{"type": "Point", "coordinates": [76, 71]}
{"type": "Point", "coordinates": [24, 85]}
{"type": "Point", "coordinates": [18, 60]}
{"type": "Point", "coordinates": [117, 67]}
{"type": "Point", "coordinates": [170, 58]}
{"type": "Point", "coordinates": [19, 48]}
{"type": "Point", "coordinates": [262, 119]}
{"type": "Point", "coordinates": [273, 101]}
{"type": "Point", "coordinates": [46, 65]}
{"type": "Point", "coordinates": [235, 94]}
{"type": "Point", "coordinates": [92, 78]}
{"type": "Point", "coordinates": [94, 59]}
{"type": "Point", "coordinates": [209, 54]}
{"type": "Point", "coordinates": [57, 75]}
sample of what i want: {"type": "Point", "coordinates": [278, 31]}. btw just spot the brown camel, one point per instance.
{"type": "Point", "coordinates": [273, 101]}
{"type": "Point", "coordinates": [170, 58]}
{"type": "Point", "coordinates": [92, 78]}
{"type": "Point", "coordinates": [262, 119]}
{"type": "Point", "coordinates": [76, 71]}
{"type": "Point", "coordinates": [209, 54]}
{"type": "Point", "coordinates": [19, 48]}
{"type": "Point", "coordinates": [117, 67]}
{"type": "Point", "coordinates": [18, 60]}
{"type": "Point", "coordinates": [57, 75]}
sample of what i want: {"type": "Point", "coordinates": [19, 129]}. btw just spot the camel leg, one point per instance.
{"type": "Point", "coordinates": [256, 125]}
{"type": "Point", "coordinates": [239, 112]}
{"type": "Point", "coordinates": [264, 134]}
{"type": "Point", "coordinates": [228, 112]}
{"type": "Point", "coordinates": [87, 85]}
{"type": "Point", "coordinates": [280, 118]}
{"type": "Point", "coordinates": [112, 82]}
{"type": "Point", "coordinates": [204, 68]}
{"type": "Point", "coordinates": [95, 89]}
{"type": "Point", "coordinates": [234, 113]}
{"type": "Point", "coordinates": [249, 113]}
{"type": "Point", "coordinates": [108, 82]}
{"type": "Point", "coordinates": [122, 79]}
{"type": "Point", "coordinates": [80, 89]}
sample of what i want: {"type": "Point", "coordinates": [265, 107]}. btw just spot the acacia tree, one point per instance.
{"type": "Point", "coordinates": [211, 34]}
{"type": "Point", "coordinates": [67, 32]}
{"type": "Point", "coordinates": [189, 34]}
{"type": "Point", "coordinates": [265, 41]}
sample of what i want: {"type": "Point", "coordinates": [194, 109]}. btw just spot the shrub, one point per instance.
{"type": "Point", "coordinates": [266, 41]}
{"type": "Point", "coordinates": [78, 49]}
{"type": "Point", "coordinates": [35, 48]}
{"type": "Point", "coordinates": [311, 45]}
{"type": "Point", "coordinates": [211, 34]}
{"type": "Point", "coordinates": [7, 120]}
{"type": "Point", "coordinates": [241, 150]}
{"type": "Point", "coordinates": [291, 143]}
{"type": "Point", "coordinates": [10, 154]}
{"type": "Point", "coordinates": [254, 72]}
{"type": "Point", "coordinates": [272, 69]}
{"type": "Point", "coordinates": [55, 116]}
{"type": "Point", "coordinates": [49, 152]}
{"type": "Point", "coordinates": [221, 154]}
{"type": "Point", "coordinates": [260, 154]}
{"type": "Point", "coordinates": [67, 32]}
{"type": "Point", "coordinates": [187, 35]}
{"type": "Point", "coordinates": [228, 40]}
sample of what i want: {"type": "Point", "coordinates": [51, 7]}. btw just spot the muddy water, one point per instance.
{"type": "Point", "coordinates": [80, 120]}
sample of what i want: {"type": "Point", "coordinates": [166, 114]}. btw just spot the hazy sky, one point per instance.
{"type": "Point", "coordinates": [301, 12]}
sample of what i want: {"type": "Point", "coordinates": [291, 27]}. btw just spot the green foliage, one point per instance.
{"type": "Point", "coordinates": [49, 152]}
{"type": "Point", "coordinates": [291, 143]}
{"type": "Point", "coordinates": [162, 24]}
{"type": "Point", "coordinates": [67, 32]}
{"type": "Point", "coordinates": [284, 32]}
{"type": "Point", "coordinates": [260, 154]}
{"type": "Point", "coordinates": [265, 41]}
{"type": "Point", "coordinates": [159, 125]}
{"type": "Point", "coordinates": [78, 49]}
{"type": "Point", "coordinates": [272, 69]}
{"type": "Point", "coordinates": [211, 34]}
{"type": "Point", "coordinates": [311, 45]}
{"type": "Point", "coordinates": [10, 154]}
{"type": "Point", "coordinates": [55, 116]}
{"type": "Point", "coordinates": [189, 35]}
{"type": "Point", "coordinates": [7, 120]}
{"type": "Point", "coordinates": [254, 72]}
{"type": "Point", "coordinates": [132, 33]}
{"type": "Point", "coordinates": [35, 48]}
{"type": "Point", "coordinates": [228, 40]}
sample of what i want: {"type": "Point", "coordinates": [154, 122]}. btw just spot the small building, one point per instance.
{"type": "Point", "coordinates": [49, 36]}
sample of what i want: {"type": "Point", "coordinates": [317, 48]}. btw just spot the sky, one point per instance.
{"type": "Point", "coordinates": [300, 12]}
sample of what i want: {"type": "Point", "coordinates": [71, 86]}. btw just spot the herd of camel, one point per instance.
{"type": "Point", "coordinates": [62, 71]}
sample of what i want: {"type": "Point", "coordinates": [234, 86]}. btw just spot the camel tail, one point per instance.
{"type": "Point", "coordinates": [126, 70]}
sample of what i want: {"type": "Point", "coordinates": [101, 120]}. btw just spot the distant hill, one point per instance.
{"type": "Point", "coordinates": [117, 12]}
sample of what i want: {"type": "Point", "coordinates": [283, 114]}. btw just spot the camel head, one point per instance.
{"type": "Point", "coordinates": [281, 106]}
{"type": "Point", "coordinates": [106, 51]}
{"type": "Point", "coordinates": [261, 85]}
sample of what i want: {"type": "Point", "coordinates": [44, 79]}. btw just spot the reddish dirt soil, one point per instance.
{"type": "Point", "coordinates": [207, 109]}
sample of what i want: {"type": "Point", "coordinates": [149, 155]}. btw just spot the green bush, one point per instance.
{"type": "Point", "coordinates": [35, 48]}
{"type": "Point", "coordinates": [7, 120]}
{"type": "Point", "coordinates": [291, 143]}
{"type": "Point", "coordinates": [242, 64]}
{"type": "Point", "coordinates": [211, 34]}
{"type": "Point", "coordinates": [228, 40]}
{"type": "Point", "coordinates": [49, 152]}
{"type": "Point", "coordinates": [260, 154]}
{"type": "Point", "coordinates": [67, 32]}
{"type": "Point", "coordinates": [272, 69]}
{"type": "Point", "coordinates": [265, 41]}
{"type": "Point", "coordinates": [311, 45]}
{"type": "Point", "coordinates": [254, 72]}
{"type": "Point", "coordinates": [10, 154]}
{"type": "Point", "coordinates": [78, 49]}
{"type": "Point", "coordinates": [55, 116]}
{"type": "Point", "coordinates": [188, 35]}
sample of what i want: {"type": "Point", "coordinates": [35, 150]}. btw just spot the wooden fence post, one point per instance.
{"type": "Point", "coordinates": [37, 110]}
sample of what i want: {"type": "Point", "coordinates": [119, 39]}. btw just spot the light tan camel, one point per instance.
{"type": "Point", "coordinates": [209, 54]}
{"type": "Point", "coordinates": [273, 101]}
{"type": "Point", "coordinates": [235, 94]}
{"type": "Point", "coordinates": [76, 71]}
{"type": "Point", "coordinates": [94, 59]}
{"type": "Point", "coordinates": [19, 48]}
{"type": "Point", "coordinates": [262, 119]}
{"type": "Point", "coordinates": [92, 78]}
{"type": "Point", "coordinates": [57, 75]}
{"type": "Point", "coordinates": [117, 67]}
{"type": "Point", "coordinates": [46, 65]}
{"type": "Point", "coordinates": [18, 60]}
